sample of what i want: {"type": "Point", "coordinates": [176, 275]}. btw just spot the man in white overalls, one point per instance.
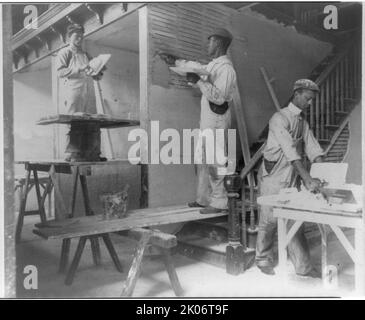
{"type": "Point", "coordinates": [217, 90]}
{"type": "Point", "coordinates": [288, 141]}
{"type": "Point", "coordinates": [72, 65]}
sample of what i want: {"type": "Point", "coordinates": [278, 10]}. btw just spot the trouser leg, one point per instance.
{"type": "Point", "coordinates": [299, 253]}
{"type": "Point", "coordinates": [265, 237]}
{"type": "Point", "coordinates": [203, 189]}
{"type": "Point", "coordinates": [218, 197]}
{"type": "Point", "coordinates": [297, 248]}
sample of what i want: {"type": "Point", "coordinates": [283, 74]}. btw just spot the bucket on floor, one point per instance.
{"type": "Point", "coordinates": [115, 206]}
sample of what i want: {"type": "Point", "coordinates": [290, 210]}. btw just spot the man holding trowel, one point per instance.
{"type": "Point", "coordinates": [217, 90]}
{"type": "Point", "coordinates": [288, 141]}
{"type": "Point", "coordinates": [72, 65]}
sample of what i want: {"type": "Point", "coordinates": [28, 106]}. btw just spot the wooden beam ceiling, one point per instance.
{"type": "Point", "coordinates": [31, 45]}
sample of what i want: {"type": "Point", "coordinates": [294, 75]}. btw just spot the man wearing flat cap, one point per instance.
{"type": "Point", "coordinates": [289, 140]}
{"type": "Point", "coordinates": [217, 90]}
{"type": "Point", "coordinates": [72, 65]}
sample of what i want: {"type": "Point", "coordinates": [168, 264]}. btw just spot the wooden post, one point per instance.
{"type": "Point", "coordinates": [7, 243]}
{"type": "Point", "coordinates": [234, 249]}
{"type": "Point", "coordinates": [144, 85]}
{"type": "Point", "coordinates": [144, 77]}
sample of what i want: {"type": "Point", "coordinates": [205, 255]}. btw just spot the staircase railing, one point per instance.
{"type": "Point", "coordinates": [340, 84]}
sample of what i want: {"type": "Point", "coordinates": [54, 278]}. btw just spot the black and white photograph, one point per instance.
{"type": "Point", "coordinates": [179, 150]}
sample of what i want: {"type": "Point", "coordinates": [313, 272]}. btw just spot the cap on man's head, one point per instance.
{"type": "Point", "coordinates": [305, 84]}
{"type": "Point", "coordinates": [221, 32]}
{"type": "Point", "coordinates": [75, 28]}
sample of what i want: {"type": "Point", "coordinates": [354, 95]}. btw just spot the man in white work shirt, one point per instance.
{"type": "Point", "coordinates": [289, 140]}
{"type": "Point", "coordinates": [217, 90]}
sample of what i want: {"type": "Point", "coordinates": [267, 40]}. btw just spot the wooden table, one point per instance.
{"type": "Point", "coordinates": [335, 219]}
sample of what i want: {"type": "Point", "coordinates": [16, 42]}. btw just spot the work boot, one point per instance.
{"type": "Point", "coordinates": [269, 270]}
{"type": "Point", "coordinates": [209, 210]}
{"type": "Point", "coordinates": [195, 204]}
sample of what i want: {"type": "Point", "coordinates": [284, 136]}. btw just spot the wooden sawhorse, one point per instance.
{"type": "Point", "coordinates": [79, 170]}
{"type": "Point", "coordinates": [24, 186]}
{"type": "Point", "coordinates": [133, 225]}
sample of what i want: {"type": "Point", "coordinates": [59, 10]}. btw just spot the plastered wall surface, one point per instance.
{"type": "Point", "coordinates": [353, 155]}
{"type": "Point", "coordinates": [178, 109]}
{"type": "Point", "coordinates": [284, 53]}
{"type": "Point", "coordinates": [32, 100]}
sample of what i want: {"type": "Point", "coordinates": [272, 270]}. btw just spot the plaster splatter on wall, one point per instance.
{"type": "Point", "coordinates": [160, 72]}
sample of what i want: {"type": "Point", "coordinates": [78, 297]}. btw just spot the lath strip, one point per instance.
{"type": "Point", "coordinates": [182, 29]}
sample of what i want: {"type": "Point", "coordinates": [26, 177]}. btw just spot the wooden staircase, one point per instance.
{"type": "Point", "coordinates": [339, 79]}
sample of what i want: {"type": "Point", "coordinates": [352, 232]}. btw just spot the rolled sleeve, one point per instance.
{"type": "Point", "coordinates": [280, 129]}
{"type": "Point", "coordinates": [313, 149]}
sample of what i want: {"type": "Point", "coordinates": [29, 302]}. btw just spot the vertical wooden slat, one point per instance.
{"type": "Point", "coordinates": [356, 66]}
{"type": "Point", "coordinates": [346, 78]}
{"type": "Point", "coordinates": [318, 97]}
{"type": "Point", "coordinates": [322, 112]}
{"type": "Point", "coordinates": [332, 97]}
{"type": "Point", "coordinates": [327, 105]}
{"type": "Point", "coordinates": [311, 115]}
{"type": "Point", "coordinates": [338, 107]}
{"type": "Point", "coordinates": [351, 74]}
{"type": "Point", "coordinates": [342, 85]}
